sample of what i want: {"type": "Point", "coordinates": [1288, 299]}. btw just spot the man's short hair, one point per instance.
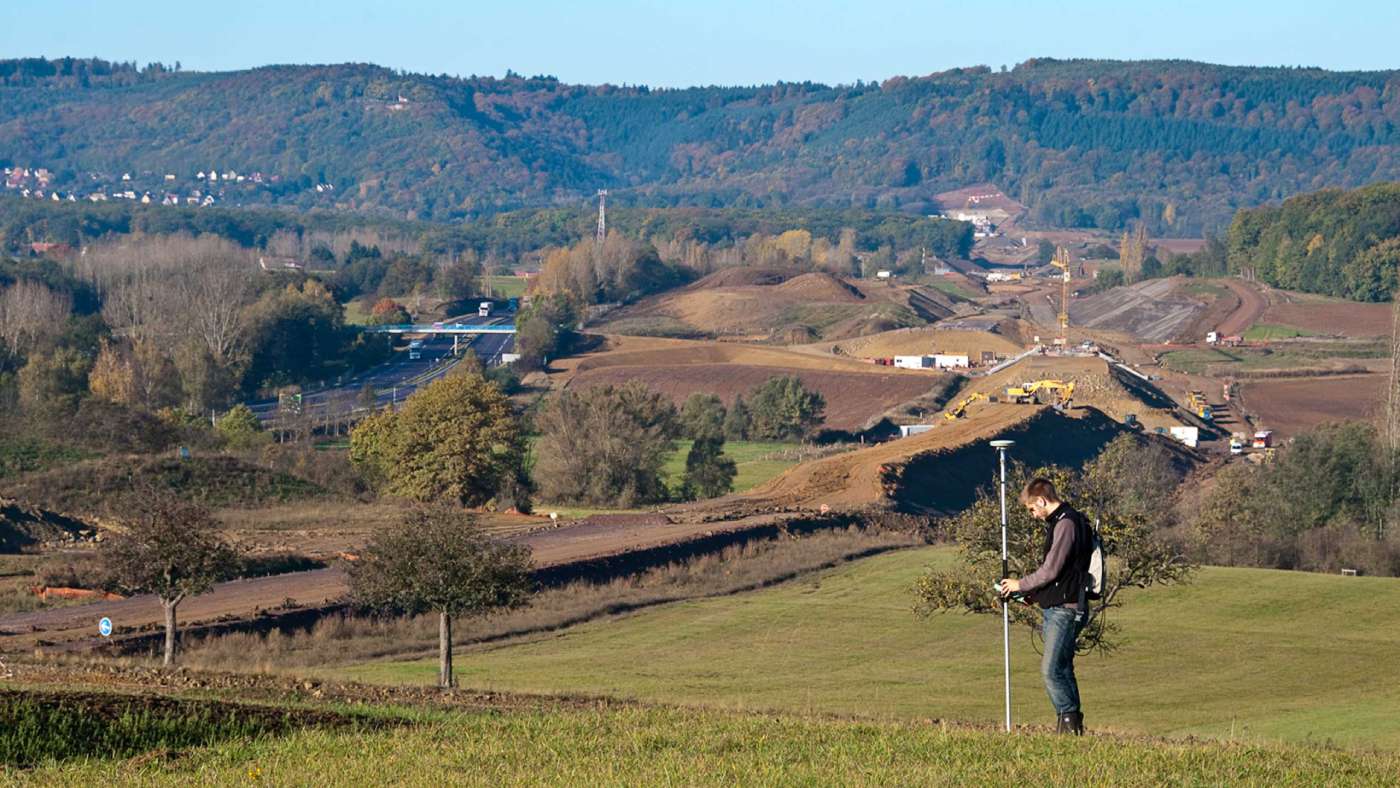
{"type": "Point", "coordinates": [1040, 488]}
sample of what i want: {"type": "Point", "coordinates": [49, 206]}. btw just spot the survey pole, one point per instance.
{"type": "Point", "coordinates": [1001, 446]}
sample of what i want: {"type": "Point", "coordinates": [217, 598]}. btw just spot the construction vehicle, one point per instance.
{"type": "Point", "coordinates": [956, 412]}
{"type": "Point", "coordinates": [1196, 403]}
{"type": "Point", "coordinates": [1029, 393]}
{"type": "Point", "coordinates": [1264, 439]}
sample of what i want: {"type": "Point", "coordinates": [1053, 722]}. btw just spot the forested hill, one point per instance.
{"type": "Point", "coordinates": [1178, 145]}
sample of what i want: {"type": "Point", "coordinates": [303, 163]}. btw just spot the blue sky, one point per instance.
{"type": "Point", "coordinates": [694, 42]}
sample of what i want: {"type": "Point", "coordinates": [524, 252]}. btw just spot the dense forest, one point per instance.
{"type": "Point", "coordinates": [1175, 145]}
{"type": "Point", "coordinates": [511, 238]}
{"type": "Point", "coordinates": [1340, 243]}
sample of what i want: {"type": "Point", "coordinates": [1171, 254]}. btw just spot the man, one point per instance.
{"type": "Point", "coordinates": [1059, 587]}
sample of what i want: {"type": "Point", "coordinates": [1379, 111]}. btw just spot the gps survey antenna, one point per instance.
{"type": "Point", "coordinates": [1001, 446]}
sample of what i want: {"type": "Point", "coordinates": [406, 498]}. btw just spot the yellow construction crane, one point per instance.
{"type": "Point", "coordinates": [1061, 262]}
{"type": "Point", "coordinates": [1027, 392]}
{"type": "Point", "coordinates": [956, 412]}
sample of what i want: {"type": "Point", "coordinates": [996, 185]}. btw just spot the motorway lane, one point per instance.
{"type": "Point", "coordinates": [401, 376]}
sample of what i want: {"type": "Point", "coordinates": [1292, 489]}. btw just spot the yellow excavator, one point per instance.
{"type": "Point", "coordinates": [1028, 393]}
{"type": "Point", "coordinates": [956, 412]}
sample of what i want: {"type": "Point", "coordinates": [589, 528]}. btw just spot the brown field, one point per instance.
{"type": "Point", "coordinates": [1293, 405]}
{"type": "Point", "coordinates": [325, 529]}
{"type": "Point", "coordinates": [922, 340]}
{"type": "Point", "coordinates": [852, 398]}
{"type": "Point", "coordinates": [1330, 316]}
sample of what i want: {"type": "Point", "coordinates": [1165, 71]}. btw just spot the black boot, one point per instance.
{"type": "Point", "coordinates": [1071, 722]}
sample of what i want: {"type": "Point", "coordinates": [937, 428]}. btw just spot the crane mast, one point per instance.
{"type": "Point", "coordinates": [1061, 262]}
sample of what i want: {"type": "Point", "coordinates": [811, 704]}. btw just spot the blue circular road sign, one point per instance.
{"type": "Point", "coordinates": [104, 627]}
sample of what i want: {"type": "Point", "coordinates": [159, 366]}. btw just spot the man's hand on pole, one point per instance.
{"type": "Point", "coordinates": [1010, 586]}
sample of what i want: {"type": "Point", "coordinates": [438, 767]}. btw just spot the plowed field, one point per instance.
{"type": "Point", "coordinates": [852, 398]}
{"type": "Point", "coordinates": [1293, 405]}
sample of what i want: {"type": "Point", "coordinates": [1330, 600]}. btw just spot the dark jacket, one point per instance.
{"type": "Point", "coordinates": [1064, 566]}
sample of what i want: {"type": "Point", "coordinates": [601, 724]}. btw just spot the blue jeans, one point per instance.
{"type": "Point", "coordinates": [1060, 629]}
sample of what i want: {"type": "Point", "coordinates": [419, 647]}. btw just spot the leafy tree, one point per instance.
{"type": "Point", "coordinates": [703, 417]}
{"type": "Point", "coordinates": [52, 384]}
{"type": "Point", "coordinates": [784, 409]}
{"type": "Point", "coordinates": [605, 445]}
{"type": "Point", "coordinates": [455, 440]}
{"type": "Point", "coordinates": [241, 429]}
{"type": "Point", "coordinates": [708, 471]}
{"type": "Point", "coordinates": [1044, 252]}
{"type": "Point", "coordinates": [170, 548]}
{"type": "Point", "coordinates": [387, 311]}
{"type": "Point", "coordinates": [437, 560]}
{"type": "Point", "coordinates": [544, 329]}
{"type": "Point", "coordinates": [458, 279]}
{"type": "Point", "coordinates": [297, 334]}
{"type": "Point", "coordinates": [1108, 278]}
{"type": "Point", "coordinates": [1130, 532]}
{"type": "Point", "coordinates": [738, 421]}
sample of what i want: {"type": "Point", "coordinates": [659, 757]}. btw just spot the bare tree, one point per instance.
{"type": "Point", "coordinates": [30, 311]}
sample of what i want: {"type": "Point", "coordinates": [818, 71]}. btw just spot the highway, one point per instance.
{"type": "Point", "coordinates": [399, 377]}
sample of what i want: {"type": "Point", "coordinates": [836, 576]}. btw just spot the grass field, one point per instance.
{"type": "Point", "coordinates": [756, 461]}
{"type": "Point", "coordinates": [1199, 361]}
{"type": "Point", "coordinates": [505, 286]}
{"type": "Point", "coordinates": [634, 746]}
{"type": "Point", "coordinates": [1268, 332]}
{"type": "Point", "coordinates": [1239, 654]}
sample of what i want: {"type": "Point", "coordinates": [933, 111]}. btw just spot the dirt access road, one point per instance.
{"type": "Point", "coordinates": [582, 541]}
{"type": "Point", "coordinates": [1251, 308]}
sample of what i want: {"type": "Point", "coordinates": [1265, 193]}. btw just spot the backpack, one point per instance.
{"type": "Point", "coordinates": [1097, 577]}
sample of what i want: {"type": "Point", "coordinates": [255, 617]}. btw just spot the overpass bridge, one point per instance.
{"type": "Point", "coordinates": [442, 328]}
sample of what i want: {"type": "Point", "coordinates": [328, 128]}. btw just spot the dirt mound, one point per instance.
{"type": "Point", "coordinates": [1152, 311]}
{"type": "Point", "coordinates": [89, 487]}
{"type": "Point", "coordinates": [1096, 385]}
{"type": "Point", "coordinates": [23, 527]}
{"type": "Point", "coordinates": [858, 478]}
{"type": "Point", "coordinates": [946, 480]}
{"type": "Point", "coordinates": [772, 305]}
{"type": "Point", "coordinates": [742, 277]}
{"type": "Point", "coordinates": [820, 286]}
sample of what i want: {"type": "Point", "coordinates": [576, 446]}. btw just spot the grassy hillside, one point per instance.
{"type": "Point", "coordinates": [580, 745]}
{"type": "Point", "coordinates": [1240, 654]}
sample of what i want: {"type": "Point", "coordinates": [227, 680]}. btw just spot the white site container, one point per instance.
{"type": "Point", "coordinates": [1191, 436]}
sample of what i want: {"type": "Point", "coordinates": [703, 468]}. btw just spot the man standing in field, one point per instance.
{"type": "Point", "coordinates": [1059, 587]}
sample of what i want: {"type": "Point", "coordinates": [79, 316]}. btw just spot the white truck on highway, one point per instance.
{"type": "Point", "coordinates": [415, 350]}
{"type": "Point", "coordinates": [484, 310]}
